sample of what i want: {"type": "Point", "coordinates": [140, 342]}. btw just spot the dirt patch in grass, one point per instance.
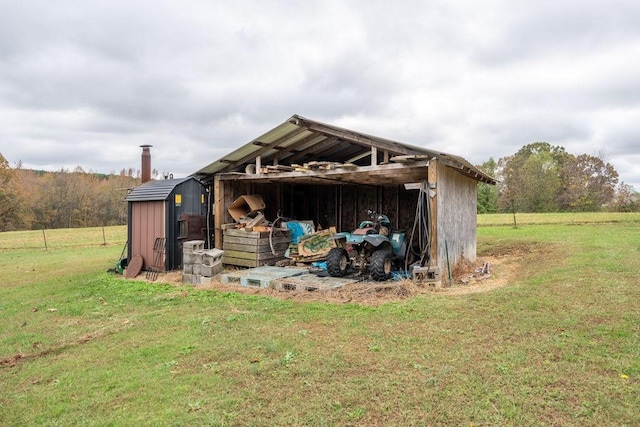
{"type": "Point", "coordinates": [499, 266]}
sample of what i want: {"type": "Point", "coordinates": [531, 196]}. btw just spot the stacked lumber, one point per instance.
{"type": "Point", "coordinates": [322, 166]}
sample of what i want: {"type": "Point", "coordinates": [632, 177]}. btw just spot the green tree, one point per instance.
{"type": "Point", "coordinates": [625, 199]}
{"type": "Point", "coordinates": [488, 194]}
{"type": "Point", "coordinates": [530, 178]}
{"type": "Point", "coordinates": [588, 183]}
{"type": "Point", "coordinates": [9, 202]}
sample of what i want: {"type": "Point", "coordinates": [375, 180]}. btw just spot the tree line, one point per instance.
{"type": "Point", "coordinates": [541, 177]}
{"type": "Point", "coordinates": [538, 178]}
{"type": "Point", "coordinates": [31, 199]}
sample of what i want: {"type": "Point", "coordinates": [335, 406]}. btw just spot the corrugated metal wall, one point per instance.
{"type": "Point", "coordinates": [147, 223]}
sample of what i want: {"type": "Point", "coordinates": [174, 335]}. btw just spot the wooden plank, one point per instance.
{"type": "Point", "coordinates": [387, 174]}
{"type": "Point", "coordinates": [253, 241]}
{"type": "Point", "coordinates": [433, 206]}
{"type": "Point", "coordinates": [256, 234]}
{"type": "Point", "coordinates": [252, 255]}
{"type": "Point", "coordinates": [241, 262]}
{"type": "Point", "coordinates": [218, 214]}
{"type": "Point", "coordinates": [247, 262]}
{"type": "Point", "coordinates": [279, 248]}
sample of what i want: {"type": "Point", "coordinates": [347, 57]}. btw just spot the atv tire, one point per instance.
{"type": "Point", "coordinates": [337, 262]}
{"type": "Point", "coordinates": [380, 265]}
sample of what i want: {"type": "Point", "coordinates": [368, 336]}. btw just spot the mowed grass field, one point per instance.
{"type": "Point", "coordinates": [559, 344]}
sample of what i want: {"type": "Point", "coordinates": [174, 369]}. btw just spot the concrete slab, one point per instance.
{"type": "Point", "coordinates": [311, 282]}
{"type": "Point", "coordinates": [261, 276]}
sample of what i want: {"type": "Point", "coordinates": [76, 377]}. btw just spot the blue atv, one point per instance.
{"type": "Point", "coordinates": [372, 249]}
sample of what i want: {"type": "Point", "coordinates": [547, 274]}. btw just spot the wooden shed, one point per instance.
{"type": "Point", "coordinates": [162, 214]}
{"type": "Point", "coordinates": [308, 170]}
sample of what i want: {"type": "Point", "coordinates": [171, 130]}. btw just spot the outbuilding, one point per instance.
{"type": "Point", "coordinates": [307, 170]}
{"type": "Point", "coordinates": [162, 214]}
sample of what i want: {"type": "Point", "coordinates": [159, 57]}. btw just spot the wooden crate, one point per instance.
{"type": "Point", "coordinates": [252, 248]}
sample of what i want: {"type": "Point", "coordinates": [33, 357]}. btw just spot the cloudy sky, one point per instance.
{"type": "Point", "coordinates": [84, 83]}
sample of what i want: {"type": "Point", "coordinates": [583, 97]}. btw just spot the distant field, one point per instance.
{"type": "Point", "coordinates": [559, 344]}
{"type": "Point", "coordinates": [557, 218]}
{"type": "Point", "coordinates": [24, 259]}
{"type": "Point", "coordinates": [63, 238]}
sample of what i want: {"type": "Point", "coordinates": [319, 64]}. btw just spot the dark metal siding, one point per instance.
{"type": "Point", "coordinates": [153, 212]}
{"type": "Point", "coordinates": [192, 193]}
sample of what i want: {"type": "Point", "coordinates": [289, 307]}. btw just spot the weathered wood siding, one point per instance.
{"type": "Point", "coordinates": [456, 218]}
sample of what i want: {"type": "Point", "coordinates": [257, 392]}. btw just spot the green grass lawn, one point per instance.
{"type": "Point", "coordinates": [559, 345]}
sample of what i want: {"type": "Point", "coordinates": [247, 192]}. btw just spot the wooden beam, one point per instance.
{"type": "Point", "coordinates": [374, 155]}
{"type": "Point", "coordinates": [393, 173]}
{"type": "Point", "coordinates": [358, 157]}
{"type": "Point", "coordinates": [347, 135]}
{"type": "Point", "coordinates": [293, 148]}
{"type": "Point", "coordinates": [327, 144]}
{"type": "Point", "coordinates": [218, 210]}
{"type": "Point", "coordinates": [266, 148]}
{"type": "Point", "coordinates": [433, 206]}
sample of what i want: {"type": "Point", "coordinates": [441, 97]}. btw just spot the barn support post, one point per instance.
{"type": "Point", "coordinates": [432, 180]}
{"type": "Point", "coordinates": [218, 212]}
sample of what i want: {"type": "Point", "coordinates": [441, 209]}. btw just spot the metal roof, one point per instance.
{"type": "Point", "coordinates": [154, 190]}
{"type": "Point", "coordinates": [299, 140]}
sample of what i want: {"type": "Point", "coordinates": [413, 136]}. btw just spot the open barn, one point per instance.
{"type": "Point", "coordinates": [307, 170]}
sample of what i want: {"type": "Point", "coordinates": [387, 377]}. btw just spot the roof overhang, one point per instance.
{"type": "Point", "coordinates": [299, 140]}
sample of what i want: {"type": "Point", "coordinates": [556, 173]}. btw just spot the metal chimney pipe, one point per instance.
{"type": "Point", "coordinates": [146, 163]}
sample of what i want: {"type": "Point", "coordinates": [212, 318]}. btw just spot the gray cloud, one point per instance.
{"type": "Point", "coordinates": [86, 83]}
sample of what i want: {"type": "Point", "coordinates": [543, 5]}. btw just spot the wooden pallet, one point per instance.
{"type": "Point", "coordinates": [253, 248]}
{"type": "Point", "coordinates": [310, 283]}
{"type": "Point", "coordinates": [261, 277]}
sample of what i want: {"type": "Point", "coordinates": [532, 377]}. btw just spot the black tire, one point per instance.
{"type": "Point", "coordinates": [380, 265]}
{"type": "Point", "coordinates": [337, 262]}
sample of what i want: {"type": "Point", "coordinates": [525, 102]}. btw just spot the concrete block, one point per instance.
{"type": "Point", "coordinates": [192, 245]}
{"type": "Point", "coordinates": [426, 274]}
{"type": "Point", "coordinates": [208, 270]}
{"type": "Point", "coordinates": [190, 279]}
{"type": "Point", "coordinates": [212, 256]}
{"type": "Point", "coordinates": [194, 257]}
{"type": "Point", "coordinates": [198, 255]}
{"type": "Point", "coordinates": [188, 268]}
{"type": "Point", "coordinates": [205, 280]}
{"type": "Point", "coordinates": [188, 258]}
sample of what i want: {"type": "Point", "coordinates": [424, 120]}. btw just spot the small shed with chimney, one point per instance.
{"type": "Point", "coordinates": [308, 170]}
{"type": "Point", "coordinates": [162, 214]}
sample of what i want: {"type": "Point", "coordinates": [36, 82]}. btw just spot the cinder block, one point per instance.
{"type": "Point", "coordinates": [188, 258]}
{"type": "Point", "coordinates": [197, 256]}
{"type": "Point", "coordinates": [187, 268]}
{"type": "Point", "coordinates": [212, 256]}
{"type": "Point", "coordinates": [208, 270]}
{"type": "Point", "coordinates": [205, 280]}
{"type": "Point", "coordinates": [426, 274]}
{"type": "Point", "coordinates": [190, 279]}
{"type": "Point", "coordinates": [192, 245]}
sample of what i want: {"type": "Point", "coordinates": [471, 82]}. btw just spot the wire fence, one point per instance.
{"type": "Point", "coordinates": [63, 238]}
